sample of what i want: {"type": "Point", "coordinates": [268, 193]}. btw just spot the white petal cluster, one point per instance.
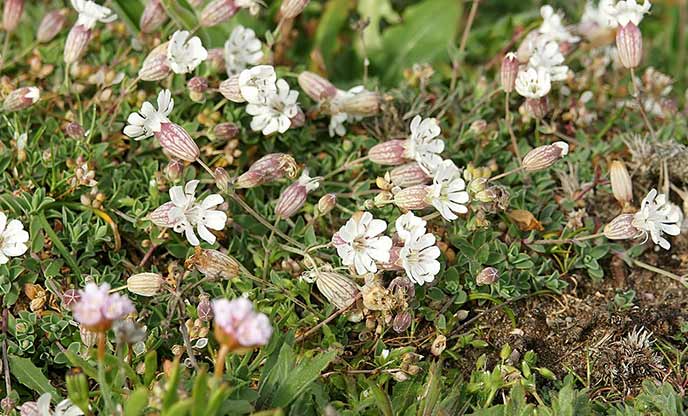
{"type": "Point", "coordinates": [658, 216]}
{"type": "Point", "coordinates": [91, 13]}
{"type": "Point", "coordinates": [448, 191]}
{"type": "Point", "coordinates": [419, 254]}
{"type": "Point", "coordinates": [552, 29]}
{"type": "Point", "coordinates": [242, 49]}
{"type": "Point", "coordinates": [339, 116]}
{"type": "Point", "coordinates": [146, 122]}
{"type": "Point", "coordinates": [625, 11]}
{"type": "Point", "coordinates": [13, 239]}
{"type": "Point", "coordinates": [547, 55]}
{"type": "Point", "coordinates": [185, 53]}
{"type": "Point", "coordinates": [360, 244]}
{"type": "Point", "coordinates": [423, 145]}
{"type": "Point", "coordinates": [270, 100]}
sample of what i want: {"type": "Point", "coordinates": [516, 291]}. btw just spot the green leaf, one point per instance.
{"type": "Point", "coordinates": [31, 376]}
{"type": "Point", "coordinates": [130, 12]}
{"type": "Point", "coordinates": [58, 244]}
{"type": "Point", "coordinates": [333, 18]}
{"type": "Point", "coordinates": [381, 398]}
{"type": "Point", "coordinates": [375, 11]}
{"type": "Point", "coordinates": [136, 402]}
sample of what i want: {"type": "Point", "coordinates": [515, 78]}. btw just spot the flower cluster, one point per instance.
{"type": "Point", "coordinates": [182, 54]}
{"type": "Point", "coordinates": [97, 309]}
{"type": "Point", "coordinates": [238, 326]}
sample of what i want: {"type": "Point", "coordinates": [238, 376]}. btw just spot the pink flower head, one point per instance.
{"type": "Point", "coordinates": [97, 309]}
{"type": "Point", "coordinates": [239, 326]}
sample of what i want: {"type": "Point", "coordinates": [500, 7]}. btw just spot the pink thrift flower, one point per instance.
{"type": "Point", "coordinates": [97, 309]}
{"type": "Point", "coordinates": [239, 326]}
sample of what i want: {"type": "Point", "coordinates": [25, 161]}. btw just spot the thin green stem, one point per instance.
{"type": "Point", "coordinates": [105, 391]}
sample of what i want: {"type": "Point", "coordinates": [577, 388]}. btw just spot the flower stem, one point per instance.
{"type": "Point", "coordinates": [680, 279]}
{"type": "Point", "coordinates": [105, 392]}
{"type": "Point", "coordinates": [345, 167]}
{"type": "Point", "coordinates": [220, 362]}
{"type": "Point", "coordinates": [507, 173]}
{"type": "Point", "coordinates": [567, 240]}
{"type": "Point", "coordinates": [507, 119]}
{"type": "Point", "coordinates": [636, 95]}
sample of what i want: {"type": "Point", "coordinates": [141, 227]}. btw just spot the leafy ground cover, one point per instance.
{"type": "Point", "coordinates": [383, 230]}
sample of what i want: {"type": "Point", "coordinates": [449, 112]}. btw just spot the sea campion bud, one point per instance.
{"type": "Point", "coordinates": [21, 98]}
{"type": "Point", "coordinates": [145, 284]}
{"type": "Point", "coordinates": [12, 14]}
{"type": "Point", "coordinates": [364, 104]}
{"type": "Point", "coordinates": [390, 153]}
{"type": "Point", "coordinates": [70, 297]}
{"type": "Point", "coordinates": [509, 71]}
{"type": "Point", "coordinates": [292, 199]}
{"type": "Point", "coordinates": [629, 44]}
{"type": "Point", "coordinates": [410, 174]}
{"type": "Point", "coordinates": [315, 86]}
{"type": "Point", "coordinates": [402, 321]}
{"type": "Point", "coordinates": [217, 11]}
{"type": "Point", "coordinates": [204, 309]}
{"type": "Point", "coordinates": [225, 131]}
{"type": "Point", "coordinates": [76, 43]}
{"type": "Point", "coordinates": [51, 25]}
{"type": "Point", "coordinates": [174, 169]}
{"type": "Point", "coordinates": [156, 65]}
{"type": "Point", "coordinates": [621, 228]}
{"type": "Point", "coordinates": [487, 276]}
{"type": "Point", "coordinates": [74, 130]}
{"type": "Point", "coordinates": [229, 89]}
{"type": "Point", "coordinates": [299, 119]}
{"type": "Point", "coordinates": [414, 197]}
{"type": "Point", "coordinates": [292, 8]}
{"type": "Point", "coordinates": [153, 16]}
{"type": "Point", "coordinates": [216, 60]}
{"type": "Point", "coordinates": [267, 169]}
{"type": "Point", "coordinates": [543, 157]}
{"type": "Point", "coordinates": [177, 142]}
{"type": "Point", "coordinates": [537, 107]}
{"type": "Point", "coordinates": [221, 178]}
{"type": "Point", "coordinates": [622, 186]}
{"type": "Point", "coordinates": [340, 290]}
{"type": "Point", "coordinates": [197, 87]}
{"type": "Point", "coordinates": [213, 264]}
{"type": "Point", "coordinates": [327, 203]}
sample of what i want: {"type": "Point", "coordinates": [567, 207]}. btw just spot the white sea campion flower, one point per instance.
{"type": "Point", "coordinates": [409, 225]}
{"type": "Point", "coordinates": [547, 55]}
{"type": "Point", "coordinates": [276, 111]}
{"type": "Point", "coordinates": [448, 191]}
{"type": "Point", "coordinates": [183, 213]}
{"type": "Point", "coordinates": [419, 256]}
{"type": "Point", "coordinates": [97, 308]}
{"type": "Point", "coordinates": [336, 125]}
{"type": "Point", "coordinates": [657, 216]}
{"type": "Point", "coordinates": [13, 239]}
{"type": "Point", "coordinates": [533, 83]}
{"type": "Point", "coordinates": [41, 407]}
{"type": "Point", "coordinates": [91, 13]}
{"type": "Point", "coordinates": [238, 326]}
{"type": "Point", "coordinates": [423, 146]}
{"type": "Point", "coordinates": [184, 52]}
{"type": "Point", "coordinates": [148, 121]}
{"type": "Point", "coordinates": [257, 84]}
{"type": "Point", "coordinates": [360, 244]}
{"type": "Point", "coordinates": [242, 49]}
{"type": "Point", "coordinates": [552, 28]}
{"type": "Point", "coordinates": [625, 11]}
{"type": "Point", "coordinates": [253, 6]}
{"type": "Point", "coordinates": [596, 16]}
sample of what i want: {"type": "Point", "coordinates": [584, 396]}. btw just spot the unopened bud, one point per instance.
{"type": "Point", "coordinates": [197, 87]}
{"type": "Point", "coordinates": [438, 345]}
{"type": "Point", "coordinates": [7, 405]}
{"type": "Point", "coordinates": [70, 297]}
{"type": "Point", "coordinates": [364, 104]}
{"type": "Point", "coordinates": [543, 157]}
{"type": "Point", "coordinates": [299, 119]}
{"type": "Point", "coordinates": [177, 142]}
{"type": "Point", "coordinates": [204, 309]}
{"type": "Point", "coordinates": [487, 276]}
{"type": "Point", "coordinates": [51, 25]}
{"type": "Point", "coordinates": [622, 186]}
{"type": "Point", "coordinates": [155, 67]}
{"type": "Point", "coordinates": [225, 131]}
{"type": "Point", "coordinates": [327, 203]}
{"type": "Point", "coordinates": [77, 42]}
{"type": "Point", "coordinates": [629, 44]}
{"type": "Point", "coordinates": [412, 198]}
{"type": "Point", "coordinates": [153, 16]}
{"type": "Point", "coordinates": [217, 11]}
{"type": "Point", "coordinates": [409, 174]}
{"type": "Point", "coordinates": [216, 60]}
{"type": "Point", "coordinates": [401, 321]}
{"type": "Point", "coordinates": [174, 169]}
{"type": "Point", "coordinates": [621, 228]}
{"type": "Point", "coordinates": [221, 178]}
{"type": "Point", "coordinates": [340, 290]}
{"type": "Point", "coordinates": [229, 89]}
{"type": "Point", "coordinates": [390, 153]}
{"type": "Point", "coordinates": [292, 8]}
{"type": "Point", "coordinates": [74, 130]}
{"type": "Point", "coordinates": [316, 87]}
{"type": "Point", "coordinates": [213, 264]}
{"type": "Point", "coordinates": [267, 169]}
{"type": "Point", "coordinates": [537, 107]}
{"type": "Point", "coordinates": [12, 14]}
{"type": "Point", "coordinates": [145, 284]}
{"type": "Point", "coordinates": [88, 338]}
{"type": "Point", "coordinates": [164, 215]}
{"type": "Point", "coordinates": [294, 196]}
{"type": "Point", "coordinates": [21, 98]}
{"type": "Point", "coordinates": [509, 72]}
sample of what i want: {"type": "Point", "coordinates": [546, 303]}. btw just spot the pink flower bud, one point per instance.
{"type": "Point", "coordinates": [629, 43]}
{"type": "Point", "coordinates": [154, 15]}
{"type": "Point", "coordinates": [267, 169]}
{"type": "Point", "coordinates": [177, 142]}
{"type": "Point", "coordinates": [327, 203]}
{"type": "Point", "coordinates": [21, 98]}
{"type": "Point", "coordinates": [238, 326]}
{"type": "Point", "coordinates": [292, 8]}
{"type": "Point", "coordinates": [221, 178]}
{"type": "Point", "coordinates": [621, 228]}
{"type": "Point", "coordinates": [51, 25]}
{"type": "Point", "coordinates": [229, 89]}
{"type": "Point", "coordinates": [12, 14]}
{"type": "Point", "coordinates": [316, 87]}
{"type": "Point", "coordinates": [487, 276]}
{"type": "Point", "coordinates": [299, 120]}
{"type": "Point", "coordinates": [163, 215]}
{"type": "Point", "coordinates": [204, 309]}
{"type": "Point", "coordinates": [366, 103]}
{"type": "Point", "coordinates": [217, 11]}
{"type": "Point", "coordinates": [543, 157]}
{"type": "Point", "coordinates": [537, 107]}
{"type": "Point", "coordinates": [622, 186]}
{"type": "Point", "coordinates": [411, 198]}
{"type": "Point", "coordinates": [174, 169]}
{"type": "Point", "coordinates": [409, 174]}
{"type": "Point", "coordinates": [155, 67]}
{"type": "Point", "coordinates": [402, 321]}
{"type": "Point", "coordinates": [225, 131]}
{"type": "Point", "coordinates": [294, 196]}
{"type": "Point", "coordinates": [251, 179]}
{"type": "Point", "coordinates": [216, 60]}
{"type": "Point", "coordinates": [74, 130]}
{"type": "Point", "coordinates": [76, 43]}
{"type": "Point", "coordinates": [509, 71]}
{"type": "Point", "coordinates": [390, 153]}
{"type": "Point", "coordinates": [197, 87]}
{"type": "Point", "coordinates": [70, 297]}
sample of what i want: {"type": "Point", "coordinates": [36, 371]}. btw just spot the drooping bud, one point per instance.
{"type": "Point", "coordinates": [401, 321]}
{"type": "Point", "coordinates": [537, 107]}
{"type": "Point", "coordinates": [12, 14]}
{"type": "Point", "coordinates": [213, 264]}
{"type": "Point", "coordinates": [177, 142]}
{"type": "Point", "coordinates": [294, 196]}
{"type": "Point", "coordinates": [174, 169]}
{"type": "Point", "coordinates": [410, 174]}
{"type": "Point", "coordinates": [316, 87]}
{"type": "Point", "coordinates": [76, 43]}
{"type": "Point", "coordinates": [411, 198]}
{"type": "Point", "coordinates": [340, 290]}
{"type": "Point", "coordinates": [543, 157]}
{"type": "Point", "coordinates": [225, 131]}
{"type": "Point", "coordinates": [145, 284]}
{"type": "Point", "coordinates": [21, 98]}
{"type": "Point", "coordinates": [155, 67]}
{"type": "Point", "coordinates": [74, 130]}
{"type": "Point", "coordinates": [487, 276]}
{"type": "Point", "coordinates": [221, 178]}
{"type": "Point", "coordinates": [154, 15]}
{"type": "Point", "coordinates": [267, 169]}
{"type": "Point", "coordinates": [292, 8]}
{"type": "Point", "coordinates": [327, 203]}
{"type": "Point", "coordinates": [197, 87]}
{"type": "Point", "coordinates": [51, 25]}
{"type": "Point", "coordinates": [621, 228]}
{"type": "Point", "coordinates": [229, 89]}
{"type": "Point", "coordinates": [389, 153]}
{"type": "Point", "coordinates": [364, 104]}
{"type": "Point", "coordinates": [217, 11]}
{"type": "Point", "coordinates": [622, 186]}
{"type": "Point", "coordinates": [629, 44]}
{"type": "Point", "coordinates": [204, 309]}
{"type": "Point", "coordinates": [509, 71]}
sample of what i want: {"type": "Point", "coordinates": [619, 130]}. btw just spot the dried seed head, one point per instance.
{"type": "Point", "coordinates": [221, 178]}
{"type": "Point", "coordinates": [213, 264]}
{"type": "Point", "coordinates": [409, 174]}
{"type": "Point", "coordinates": [88, 338]}
{"type": "Point", "coordinates": [12, 14]}
{"type": "Point", "coordinates": [629, 44]}
{"type": "Point", "coordinates": [390, 153]}
{"type": "Point", "coordinates": [537, 107]}
{"type": "Point", "coordinates": [174, 169]}
{"type": "Point", "coordinates": [327, 203]}
{"type": "Point", "coordinates": [51, 25]}
{"type": "Point", "coordinates": [267, 169]}
{"type": "Point", "coordinates": [621, 228]}
{"type": "Point", "coordinates": [205, 309]}
{"type": "Point", "coordinates": [155, 67]}
{"type": "Point", "coordinates": [292, 8]}
{"type": "Point", "coordinates": [217, 11]}
{"type": "Point", "coordinates": [364, 104]}
{"type": "Point", "coordinates": [438, 345]}
{"type": "Point", "coordinates": [74, 130]}
{"type": "Point", "coordinates": [487, 276]}
{"type": "Point", "coordinates": [622, 186]}
{"type": "Point", "coordinates": [145, 284]}
{"type": "Point", "coordinates": [154, 15]}
{"type": "Point", "coordinates": [316, 87]}
{"type": "Point", "coordinates": [229, 89]}
{"type": "Point", "coordinates": [509, 71]}
{"type": "Point", "coordinates": [21, 98]}
{"type": "Point", "coordinates": [225, 131]}
{"type": "Point", "coordinates": [412, 198]}
{"type": "Point", "coordinates": [76, 43]}
{"type": "Point", "coordinates": [543, 157]}
{"type": "Point", "coordinates": [177, 142]}
{"type": "Point", "coordinates": [340, 290]}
